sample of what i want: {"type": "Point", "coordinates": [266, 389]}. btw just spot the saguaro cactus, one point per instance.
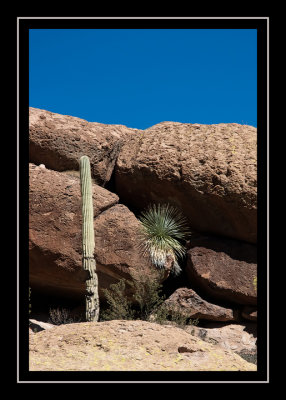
{"type": "Point", "coordinates": [89, 264]}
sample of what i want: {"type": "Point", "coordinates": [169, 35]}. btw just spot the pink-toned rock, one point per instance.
{"type": "Point", "coordinates": [224, 269]}
{"type": "Point", "coordinates": [207, 171]}
{"type": "Point", "coordinates": [55, 236]}
{"type": "Point", "coordinates": [116, 243]}
{"type": "Point", "coordinates": [127, 346]}
{"type": "Point", "coordinates": [58, 141]}
{"type": "Point", "coordinates": [236, 337]}
{"type": "Point", "coordinates": [189, 303]}
{"type": "Point", "coordinates": [55, 230]}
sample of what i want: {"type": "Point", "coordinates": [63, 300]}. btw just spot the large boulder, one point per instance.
{"type": "Point", "coordinates": [117, 245]}
{"type": "Point", "coordinates": [127, 346]}
{"type": "Point", "coordinates": [223, 269]}
{"type": "Point", "coordinates": [207, 171]}
{"type": "Point", "coordinates": [58, 141]}
{"type": "Point", "coordinates": [187, 302]}
{"type": "Point", "coordinates": [55, 236]}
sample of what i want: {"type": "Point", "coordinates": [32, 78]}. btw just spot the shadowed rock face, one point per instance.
{"type": "Point", "coordinates": [224, 269]}
{"type": "Point", "coordinates": [250, 313]}
{"type": "Point", "coordinates": [58, 141]}
{"type": "Point", "coordinates": [208, 171]}
{"type": "Point", "coordinates": [189, 303]}
{"type": "Point", "coordinates": [55, 236]}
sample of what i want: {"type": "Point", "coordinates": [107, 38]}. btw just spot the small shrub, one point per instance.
{"type": "Point", "coordinates": [179, 318]}
{"type": "Point", "coordinates": [118, 304]}
{"type": "Point", "coordinates": [146, 296]}
{"type": "Point", "coordinates": [146, 303]}
{"type": "Point", "coordinates": [62, 316]}
{"type": "Point", "coordinates": [147, 293]}
{"type": "Point", "coordinates": [173, 314]}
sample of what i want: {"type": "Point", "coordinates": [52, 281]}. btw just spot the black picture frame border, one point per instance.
{"type": "Point", "coordinates": [23, 26]}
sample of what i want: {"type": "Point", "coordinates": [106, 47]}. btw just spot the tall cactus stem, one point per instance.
{"type": "Point", "coordinates": [89, 264]}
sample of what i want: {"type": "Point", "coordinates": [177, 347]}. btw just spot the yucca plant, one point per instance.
{"type": "Point", "coordinates": [163, 228]}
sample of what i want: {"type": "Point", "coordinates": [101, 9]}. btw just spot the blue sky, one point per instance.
{"type": "Point", "coordinates": [140, 77]}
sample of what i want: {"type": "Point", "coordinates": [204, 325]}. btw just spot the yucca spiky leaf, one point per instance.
{"type": "Point", "coordinates": [162, 228]}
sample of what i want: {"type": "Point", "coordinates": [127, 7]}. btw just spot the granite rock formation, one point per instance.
{"type": "Point", "coordinates": [208, 171]}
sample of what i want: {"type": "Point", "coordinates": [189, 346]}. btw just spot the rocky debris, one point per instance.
{"type": "Point", "coordinates": [188, 302]}
{"type": "Point", "coordinates": [224, 269]}
{"type": "Point", "coordinates": [58, 141]}
{"type": "Point", "coordinates": [55, 236]}
{"type": "Point", "coordinates": [207, 171]}
{"type": "Point", "coordinates": [249, 313]}
{"type": "Point", "coordinates": [234, 337]}
{"type": "Point", "coordinates": [128, 346]}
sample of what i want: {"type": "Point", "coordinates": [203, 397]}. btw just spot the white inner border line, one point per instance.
{"type": "Point", "coordinates": [267, 18]}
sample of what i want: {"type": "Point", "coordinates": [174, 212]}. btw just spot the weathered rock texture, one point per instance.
{"type": "Point", "coordinates": [224, 269]}
{"type": "Point", "coordinates": [58, 141]}
{"type": "Point", "coordinates": [208, 171]}
{"type": "Point", "coordinates": [235, 337]}
{"type": "Point", "coordinates": [117, 243]}
{"type": "Point", "coordinates": [127, 346]}
{"type": "Point", "coordinates": [189, 303]}
{"type": "Point", "coordinates": [55, 235]}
